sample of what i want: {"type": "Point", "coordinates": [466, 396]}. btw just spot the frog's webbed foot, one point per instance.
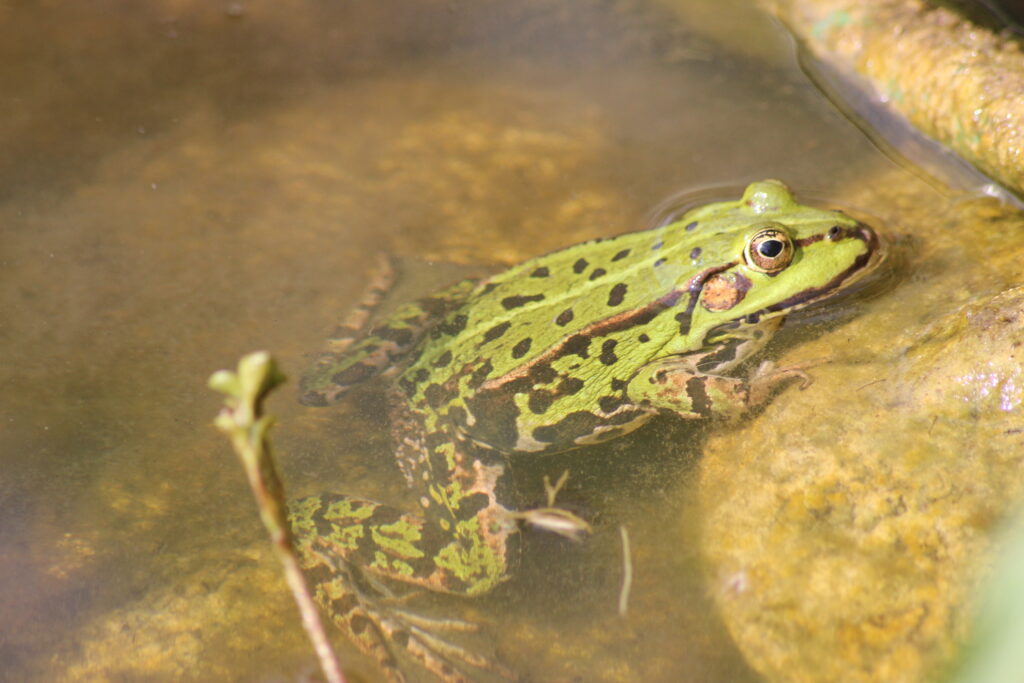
{"type": "Point", "coordinates": [767, 379]}
{"type": "Point", "coordinates": [440, 656]}
{"type": "Point", "coordinates": [382, 626]}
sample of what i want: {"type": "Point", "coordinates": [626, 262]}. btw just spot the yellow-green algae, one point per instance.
{"type": "Point", "coordinates": [956, 81]}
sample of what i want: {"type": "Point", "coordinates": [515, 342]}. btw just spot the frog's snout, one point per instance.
{"type": "Point", "coordinates": [871, 238]}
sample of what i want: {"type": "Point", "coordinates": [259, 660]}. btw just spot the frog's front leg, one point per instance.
{"type": "Point", "coordinates": [459, 543]}
{"type": "Point", "coordinates": [677, 383]}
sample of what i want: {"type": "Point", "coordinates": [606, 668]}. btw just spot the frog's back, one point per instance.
{"type": "Point", "coordinates": [517, 319]}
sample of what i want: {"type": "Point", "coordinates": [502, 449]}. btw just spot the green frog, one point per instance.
{"type": "Point", "coordinates": [573, 348]}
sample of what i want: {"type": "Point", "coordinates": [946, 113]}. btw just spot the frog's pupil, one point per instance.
{"type": "Point", "coordinates": [770, 248]}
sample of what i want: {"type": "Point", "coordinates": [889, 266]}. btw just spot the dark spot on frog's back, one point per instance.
{"type": "Point", "coordinates": [511, 302]}
{"type": "Point", "coordinates": [608, 356]}
{"type": "Point", "coordinates": [580, 266]}
{"type": "Point", "coordinates": [496, 331]}
{"type": "Point", "coordinates": [621, 255]}
{"type": "Point", "coordinates": [541, 272]}
{"type": "Point", "coordinates": [617, 294]}
{"type": "Point", "coordinates": [450, 327]}
{"type": "Point", "coordinates": [598, 272]}
{"type": "Point", "coordinates": [575, 345]}
{"type": "Point", "coordinates": [564, 318]}
{"type": "Point", "coordinates": [443, 360]}
{"type": "Point", "coordinates": [522, 348]}
{"type": "Point", "coordinates": [691, 226]}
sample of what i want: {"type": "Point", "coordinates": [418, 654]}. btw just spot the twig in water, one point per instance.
{"type": "Point", "coordinates": [552, 491]}
{"type": "Point", "coordinates": [242, 420]}
{"type": "Point", "coordinates": [627, 571]}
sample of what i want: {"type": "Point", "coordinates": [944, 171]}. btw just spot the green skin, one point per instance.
{"type": "Point", "coordinates": [568, 349]}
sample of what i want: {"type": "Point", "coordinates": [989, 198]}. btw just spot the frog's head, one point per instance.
{"type": "Point", "coordinates": [772, 255]}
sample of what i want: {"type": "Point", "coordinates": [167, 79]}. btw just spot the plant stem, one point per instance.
{"type": "Point", "coordinates": [242, 420]}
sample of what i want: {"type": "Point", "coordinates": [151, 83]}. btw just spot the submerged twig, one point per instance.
{"type": "Point", "coordinates": [552, 491]}
{"type": "Point", "coordinates": [627, 571]}
{"type": "Point", "coordinates": [242, 420]}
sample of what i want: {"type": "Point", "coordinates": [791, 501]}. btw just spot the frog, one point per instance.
{"type": "Point", "coordinates": [562, 351]}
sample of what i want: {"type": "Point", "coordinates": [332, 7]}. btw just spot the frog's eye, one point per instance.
{"type": "Point", "coordinates": [769, 251]}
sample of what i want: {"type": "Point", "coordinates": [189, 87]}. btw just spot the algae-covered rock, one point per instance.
{"type": "Point", "coordinates": [847, 526]}
{"type": "Point", "coordinates": [954, 80]}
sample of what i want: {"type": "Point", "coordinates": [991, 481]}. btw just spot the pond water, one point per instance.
{"type": "Point", "coordinates": [183, 182]}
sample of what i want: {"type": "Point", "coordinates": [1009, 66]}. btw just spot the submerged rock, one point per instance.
{"type": "Point", "coordinates": [855, 558]}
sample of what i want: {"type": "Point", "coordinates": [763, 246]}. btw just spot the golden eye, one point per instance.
{"type": "Point", "coordinates": [769, 251]}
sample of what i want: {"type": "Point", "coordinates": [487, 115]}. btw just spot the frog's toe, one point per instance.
{"type": "Point", "coordinates": [418, 635]}
{"type": "Point", "coordinates": [392, 635]}
{"type": "Point", "coordinates": [369, 632]}
{"type": "Point", "coordinates": [767, 379]}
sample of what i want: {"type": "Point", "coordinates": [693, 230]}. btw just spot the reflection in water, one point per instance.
{"type": "Point", "coordinates": [182, 183]}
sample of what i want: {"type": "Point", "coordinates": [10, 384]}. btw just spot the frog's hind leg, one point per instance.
{"type": "Point", "coordinates": [461, 542]}
{"type": "Point", "coordinates": [368, 612]}
{"type": "Point", "coordinates": [353, 550]}
{"type": "Point", "coordinates": [354, 354]}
